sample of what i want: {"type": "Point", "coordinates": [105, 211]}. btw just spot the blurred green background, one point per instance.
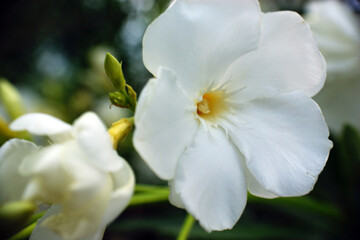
{"type": "Point", "coordinates": [53, 52]}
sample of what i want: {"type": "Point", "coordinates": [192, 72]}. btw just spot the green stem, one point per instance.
{"type": "Point", "coordinates": [186, 227]}
{"type": "Point", "coordinates": [149, 188]}
{"type": "Point", "coordinates": [145, 198]}
{"type": "Point", "coordinates": [25, 233]}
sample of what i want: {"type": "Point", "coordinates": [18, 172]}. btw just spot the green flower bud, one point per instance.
{"type": "Point", "coordinates": [132, 96]}
{"type": "Point", "coordinates": [11, 99]}
{"type": "Point", "coordinates": [114, 71]}
{"type": "Point", "coordinates": [120, 130]}
{"type": "Point", "coordinates": [119, 99]}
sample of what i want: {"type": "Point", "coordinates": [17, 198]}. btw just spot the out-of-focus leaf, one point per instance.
{"type": "Point", "coordinates": [168, 228]}
{"type": "Point", "coordinates": [351, 142]}
{"type": "Point", "coordinates": [306, 203]}
{"type": "Point", "coordinates": [14, 216]}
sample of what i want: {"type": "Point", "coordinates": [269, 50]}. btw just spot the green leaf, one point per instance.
{"type": "Point", "coordinates": [14, 216]}
{"type": "Point", "coordinates": [304, 204]}
{"type": "Point", "coordinates": [351, 140]}
{"type": "Point", "coordinates": [170, 227]}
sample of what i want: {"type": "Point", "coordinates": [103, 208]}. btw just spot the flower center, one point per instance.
{"type": "Point", "coordinates": [203, 107]}
{"type": "Point", "coordinates": [212, 105]}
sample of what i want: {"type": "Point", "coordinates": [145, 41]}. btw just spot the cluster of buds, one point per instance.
{"type": "Point", "coordinates": [125, 96]}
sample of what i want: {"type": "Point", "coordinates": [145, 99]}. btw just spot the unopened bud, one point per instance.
{"type": "Point", "coordinates": [132, 96]}
{"type": "Point", "coordinates": [120, 130]}
{"type": "Point", "coordinates": [114, 71]}
{"type": "Point", "coordinates": [119, 99]}
{"type": "Point", "coordinates": [11, 99]}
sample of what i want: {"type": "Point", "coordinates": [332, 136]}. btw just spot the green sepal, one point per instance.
{"type": "Point", "coordinates": [114, 71]}
{"type": "Point", "coordinates": [119, 99]}
{"type": "Point", "coordinates": [132, 96]}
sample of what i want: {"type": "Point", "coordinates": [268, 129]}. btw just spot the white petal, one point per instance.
{"type": "Point", "coordinates": [339, 101]}
{"type": "Point", "coordinates": [40, 124]}
{"type": "Point", "coordinates": [255, 188]}
{"type": "Point", "coordinates": [287, 59]}
{"type": "Point", "coordinates": [337, 30]}
{"type": "Point", "coordinates": [48, 181]}
{"type": "Point", "coordinates": [211, 181]}
{"type": "Point", "coordinates": [89, 183]}
{"type": "Point", "coordinates": [165, 124]}
{"type": "Point", "coordinates": [124, 183]}
{"type": "Point", "coordinates": [12, 183]}
{"type": "Point", "coordinates": [200, 39]}
{"type": "Point", "coordinates": [42, 232]}
{"type": "Point", "coordinates": [336, 13]}
{"type": "Point", "coordinates": [174, 197]}
{"type": "Point", "coordinates": [95, 141]}
{"type": "Point", "coordinates": [80, 223]}
{"type": "Point", "coordinates": [284, 140]}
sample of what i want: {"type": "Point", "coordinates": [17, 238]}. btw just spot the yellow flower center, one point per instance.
{"type": "Point", "coordinates": [212, 105]}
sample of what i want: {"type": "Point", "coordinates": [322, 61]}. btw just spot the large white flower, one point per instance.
{"type": "Point", "coordinates": [229, 108]}
{"type": "Point", "coordinates": [337, 30]}
{"type": "Point", "coordinates": [80, 174]}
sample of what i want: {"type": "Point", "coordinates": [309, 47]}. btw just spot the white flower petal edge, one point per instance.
{"type": "Point", "coordinates": [273, 69]}
{"type": "Point", "coordinates": [162, 99]}
{"type": "Point", "coordinates": [12, 184]}
{"type": "Point", "coordinates": [123, 184]}
{"type": "Point", "coordinates": [92, 136]}
{"type": "Point", "coordinates": [88, 130]}
{"type": "Point", "coordinates": [40, 124]}
{"type": "Point", "coordinates": [208, 29]}
{"type": "Point", "coordinates": [211, 181]}
{"type": "Point", "coordinates": [284, 140]}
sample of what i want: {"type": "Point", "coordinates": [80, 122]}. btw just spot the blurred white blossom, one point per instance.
{"type": "Point", "coordinates": [230, 108]}
{"type": "Point", "coordinates": [337, 30]}
{"type": "Point", "coordinates": [79, 174]}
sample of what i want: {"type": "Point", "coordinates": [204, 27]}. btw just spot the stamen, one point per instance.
{"type": "Point", "coordinates": [203, 107]}
{"type": "Point", "coordinates": [212, 105]}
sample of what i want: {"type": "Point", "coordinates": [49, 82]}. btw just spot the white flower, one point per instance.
{"type": "Point", "coordinates": [80, 174]}
{"type": "Point", "coordinates": [229, 109]}
{"type": "Point", "coordinates": [337, 30]}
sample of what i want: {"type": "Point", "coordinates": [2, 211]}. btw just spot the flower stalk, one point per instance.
{"type": "Point", "coordinates": [186, 228]}
{"type": "Point", "coordinates": [25, 233]}
{"type": "Point", "coordinates": [146, 198]}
